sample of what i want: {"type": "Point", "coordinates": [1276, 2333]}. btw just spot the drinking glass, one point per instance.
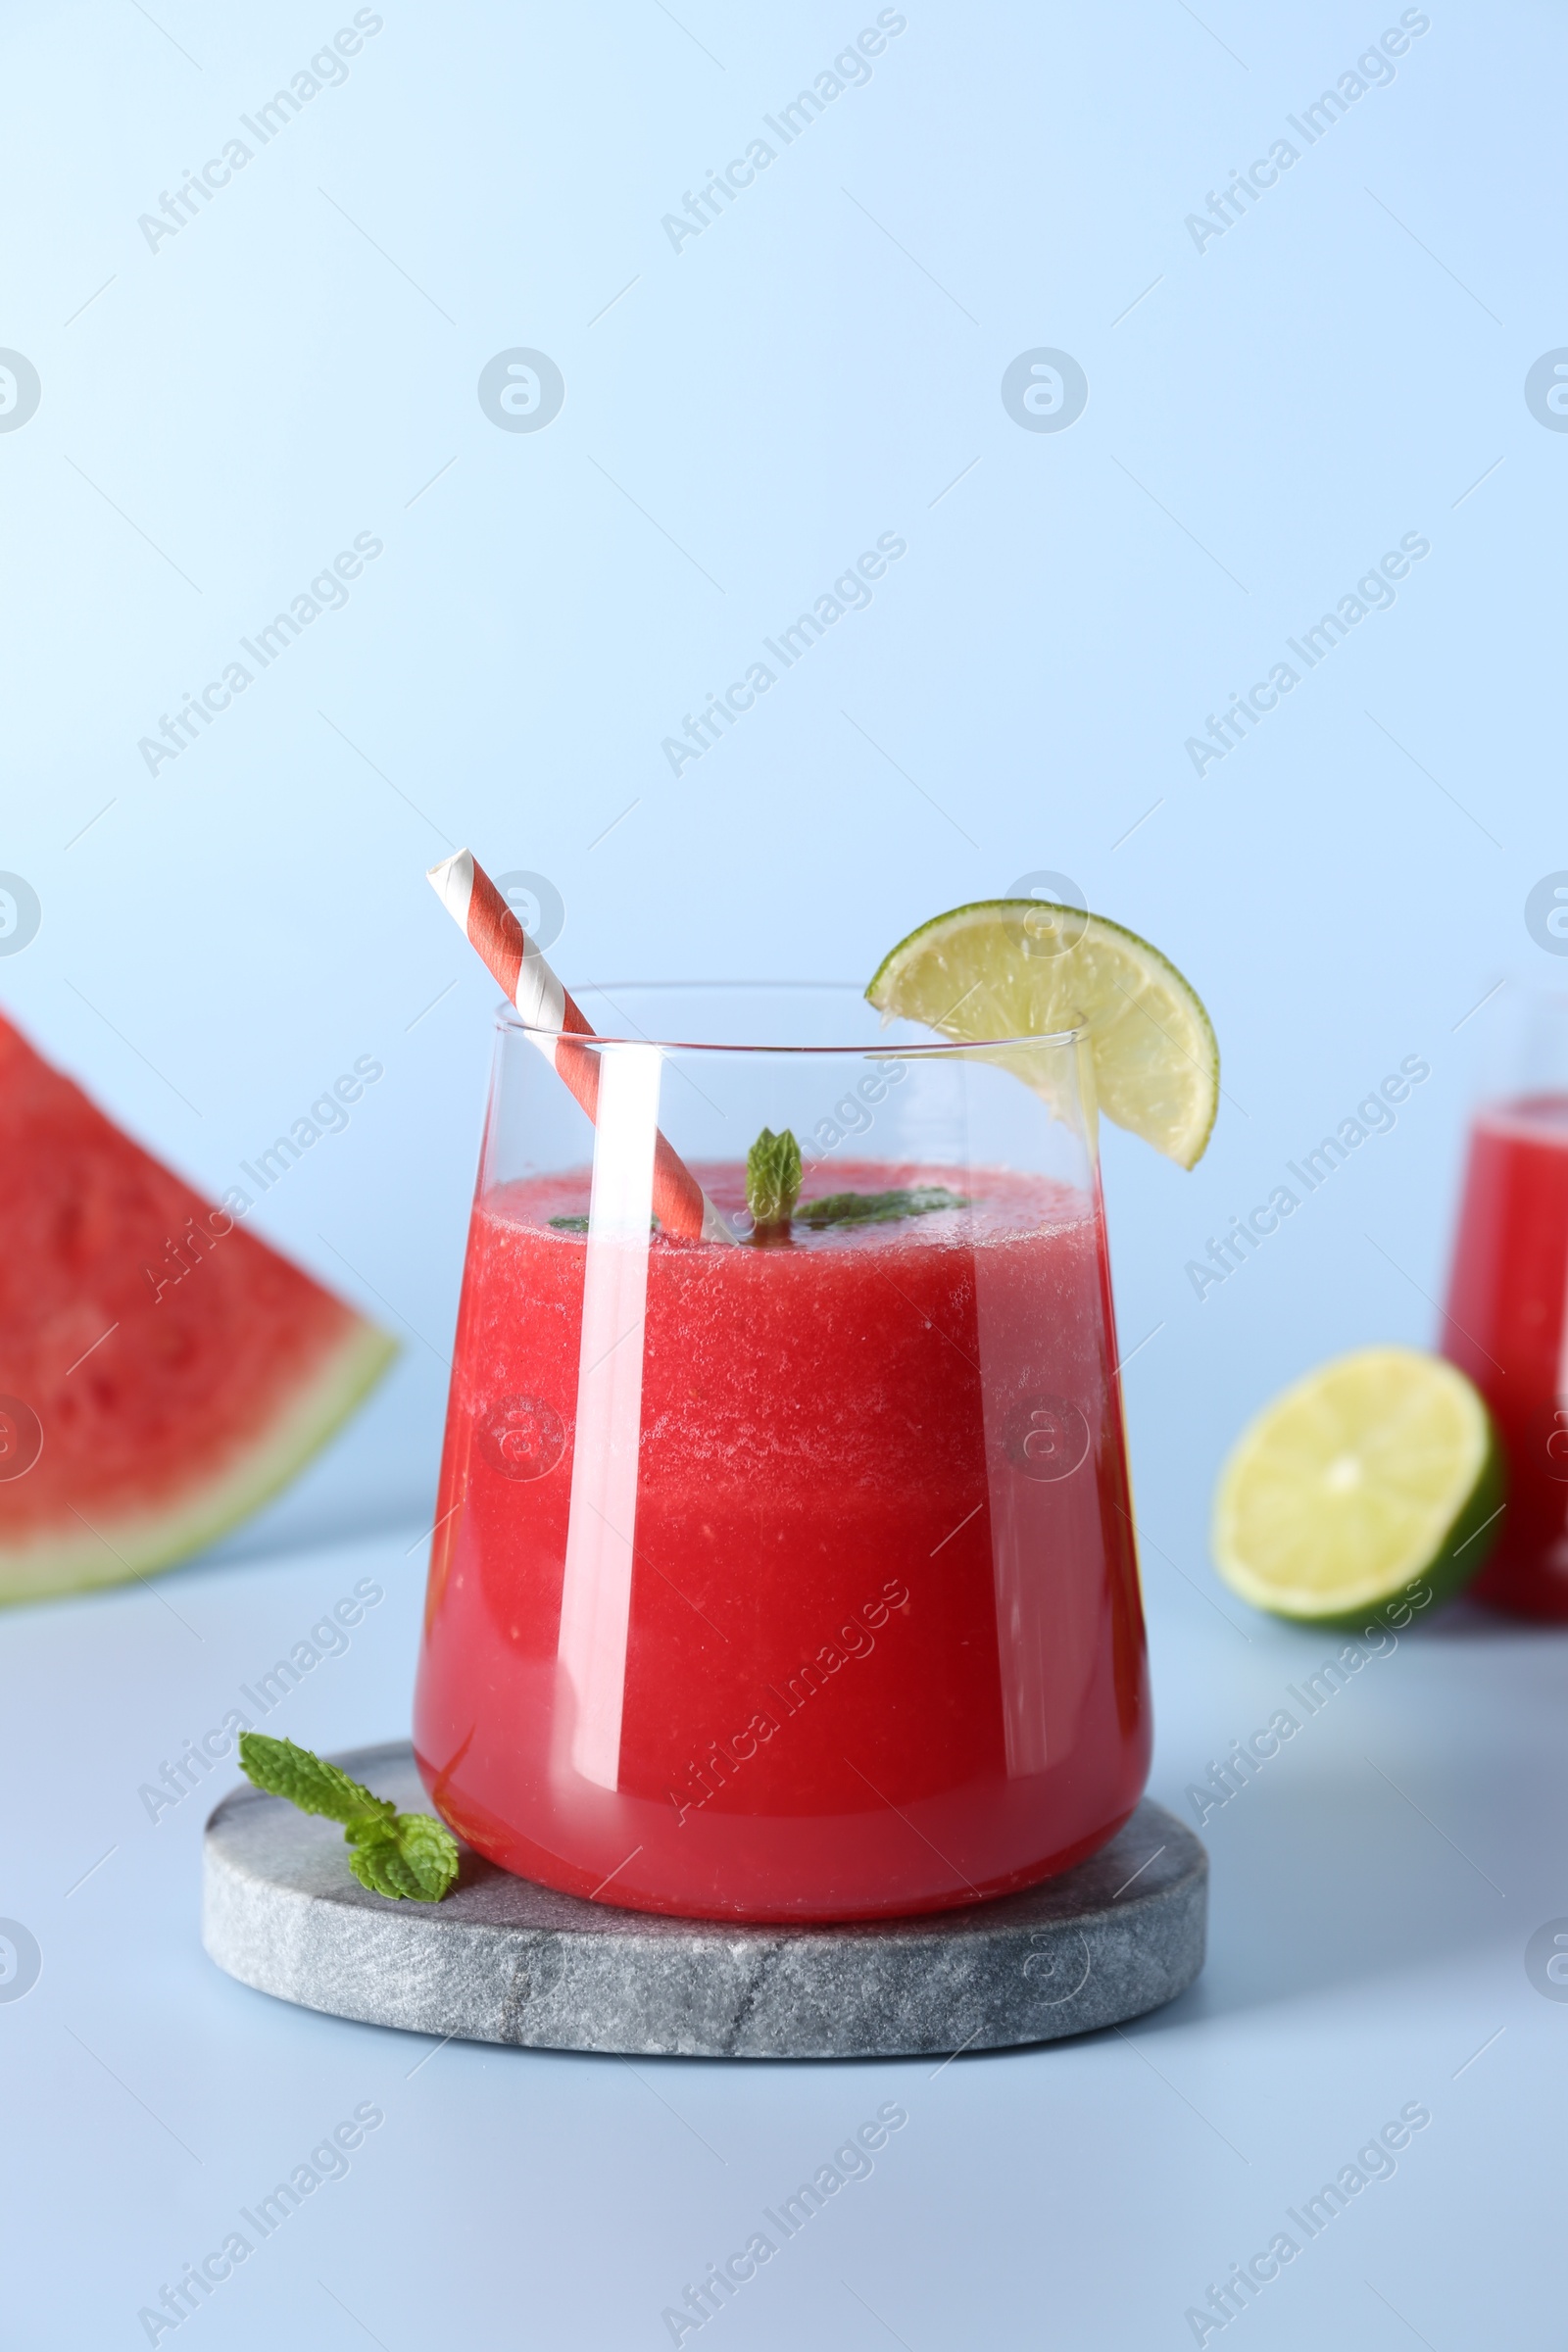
{"type": "Point", "coordinates": [1506, 1320]}
{"type": "Point", "coordinates": [792, 1578]}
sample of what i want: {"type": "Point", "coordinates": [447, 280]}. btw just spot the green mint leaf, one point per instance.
{"type": "Point", "coordinates": [374, 1860]}
{"type": "Point", "coordinates": [429, 1854]}
{"type": "Point", "coordinates": [392, 1853]}
{"type": "Point", "coordinates": [580, 1224]}
{"type": "Point", "coordinates": [412, 1857]}
{"type": "Point", "coordinates": [773, 1178]}
{"type": "Point", "coordinates": [307, 1781]}
{"type": "Point", "coordinates": [876, 1208]}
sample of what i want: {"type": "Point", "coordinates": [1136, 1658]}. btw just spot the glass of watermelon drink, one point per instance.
{"type": "Point", "coordinates": [791, 1577]}
{"type": "Point", "coordinates": [1506, 1320]}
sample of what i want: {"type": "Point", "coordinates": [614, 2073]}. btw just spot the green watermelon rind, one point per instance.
{"type": "Point", "coordinates": [140, 1545]}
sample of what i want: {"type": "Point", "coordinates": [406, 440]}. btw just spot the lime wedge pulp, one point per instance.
{"type": "Point", "coordinates": [1375, 1470]}
{"type": "Point", "coordinates": [1021, 967]}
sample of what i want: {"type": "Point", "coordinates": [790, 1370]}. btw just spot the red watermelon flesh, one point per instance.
{"type": "Point", "coordinates": [161, 1370]}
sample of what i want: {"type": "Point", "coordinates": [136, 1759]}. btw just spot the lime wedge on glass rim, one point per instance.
{"type": "Point", "coordinates": [1025, 967]}
{"type": "Point", "coordinates": [1376, 1471]}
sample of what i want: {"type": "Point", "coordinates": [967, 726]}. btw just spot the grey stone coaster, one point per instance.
{"type": "Point", "coordinates": [502, 1959]}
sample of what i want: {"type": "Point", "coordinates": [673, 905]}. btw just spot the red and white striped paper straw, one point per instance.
{"type": "Point", "coordinates": [474, 903]}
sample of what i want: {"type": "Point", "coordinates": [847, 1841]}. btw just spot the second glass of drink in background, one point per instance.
{"type": "Point", "coordinates": [1506, 1320]}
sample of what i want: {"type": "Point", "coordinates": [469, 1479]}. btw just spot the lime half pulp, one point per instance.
{"type": "Point", "coordinates": [1374, 1471]}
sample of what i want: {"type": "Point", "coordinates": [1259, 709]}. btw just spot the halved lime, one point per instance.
{"type": "Point", "coordinates": [1022, 968]}
{"type": "Point", "coordinates": [1377, 1470]}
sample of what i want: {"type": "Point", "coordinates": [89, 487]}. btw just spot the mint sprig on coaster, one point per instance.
{"type": "Point", "coordinates": [392, 1853]}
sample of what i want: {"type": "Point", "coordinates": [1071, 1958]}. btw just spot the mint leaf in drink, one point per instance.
{"type": "Point", "coordinates": [580, 1225]}
{"type": "Point", "coordinates": [394, 1853]}
{"type": "Point", "coordinates": [876, 1208]}
{"type": "Point", "coordinates": [772, 1179]}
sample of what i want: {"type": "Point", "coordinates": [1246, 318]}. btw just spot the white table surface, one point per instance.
{"type": "Point", "coordinates": [1373, 1894]}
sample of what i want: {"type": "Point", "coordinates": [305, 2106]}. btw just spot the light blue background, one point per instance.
{"type": "Point", "coordinates": [218, 418]}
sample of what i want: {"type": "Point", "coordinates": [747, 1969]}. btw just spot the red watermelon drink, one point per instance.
{"type": "Point", "coordinates": [783, 1565]}
{"type": "Point", "coordinates": [1507, 1326]}
{"type": "Point", "coordinates": [882, 1650]}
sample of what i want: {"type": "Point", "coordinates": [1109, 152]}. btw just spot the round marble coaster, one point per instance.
{"type": "Point", "coordinates": [505, 1960]}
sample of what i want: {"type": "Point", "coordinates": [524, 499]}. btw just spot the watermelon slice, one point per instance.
{"type": "Point", "coordinates": [161, 1370]}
